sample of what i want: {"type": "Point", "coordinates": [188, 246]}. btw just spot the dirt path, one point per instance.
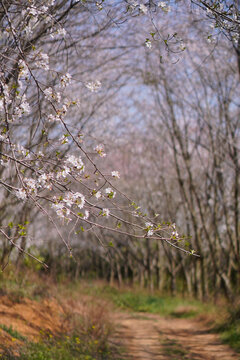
{"type": "Point", "coordinates": [151, 337]}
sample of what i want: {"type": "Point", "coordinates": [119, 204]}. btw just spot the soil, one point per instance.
{"type": "Point", "coordinates": [152, 337]}
{"type": "Point", "coordinates": [29, 318]}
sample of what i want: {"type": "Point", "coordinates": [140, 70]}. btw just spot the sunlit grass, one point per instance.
{"type": "Point", "coordinates": [142, 301]}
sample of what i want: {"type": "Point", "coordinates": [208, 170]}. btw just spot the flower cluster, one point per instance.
{"type": "Point", "coordinates": [63, 206]}
{"type": "Point", "coordinates": [100, 150]}
{"type": "Point", "coordinates": [65, 80]}
{"type": "Point", "coordinates": [143, 9]}
{"type": "Point", "coordinates": [21, 194]}
{"type": "Point", "coordinates": [105, 212]}
{"type": "Point", "coordinates": [110, 193]}
{"type": "Point", "coordinates": [51, 95]}
{"type": "Point", "coordinates": [52, 118]}
{"type": "Point", "coordinates": [24, 105]}
{"type": "Point", "coordinates": [98, 194]}
{"type": "Point", "coordinates": [74, 198]}
{"type": "Point", "coordinates": [63, 173]}
{"type": "Point", "coordinates": [61, 32]}
{"type": "Point", "coordinates": [149, 228]}
{"type": "Point", "coordinates": [42, 61]}
{"type": "Point", "coordinates": [76, 162]}
{"type": "Point", "coordinates": [115, 174]}
{"type": "Point", "coordinates": [22, 108]}
{"type": "Point", "coordinates": [93, 86]}
{"type": "Point", "coordinates": [163, 5]}
{"type": "Point", "coordinates": [174, 233]}
{"type": "Point", "coordinates": [148, 43]}
{"type": "Point", "coordinates": [64, 139]}
{"type": "Point", "coordinates": [21, 150]}
{"type": "Point", "coordinates": [45, 180]}
{"type": "Point", "coordinates": [23, 69]}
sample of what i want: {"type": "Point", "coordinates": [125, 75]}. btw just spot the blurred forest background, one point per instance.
{"type": "Point", "coordinates": [168, 115]}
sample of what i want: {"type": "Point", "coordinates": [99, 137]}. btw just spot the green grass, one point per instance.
{"type": "Point", "coordinates": [142, 301]}
{"type": "Point", "coordinates": [229, 329]}
{"type": "Point", "coordinates": [175, 351]}
{"type": "Point", "coordinates": [14, 333]}
{"type": "Point", "coordinates": [231, 336]}
{"type": "Point", "coordinates": [70, 348]}
{"type": "Point", "coordinates": [64, 348]}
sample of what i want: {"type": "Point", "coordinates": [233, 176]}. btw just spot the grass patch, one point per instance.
{"type": "Point", "coordinates": [231, 336]}
{"type": "Point", "coordinates": [175, 351]}
{"type": "Point", "coordinates": [64, 348]}
{"type": "Point", "coordinates": [229, 329]}
{"type": "Point", "coordinates": [14, 333]}
{"type": "Point", "coordinates": [185, 313]}
{"type": "Point", "coordinates": [141, 301]}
